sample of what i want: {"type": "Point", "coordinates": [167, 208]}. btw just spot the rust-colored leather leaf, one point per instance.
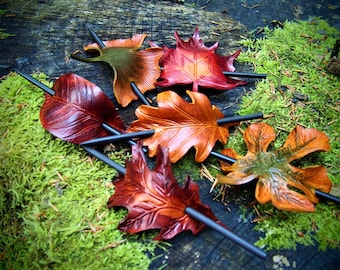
{"type": "Point", "coordinates": [77, 110]}
{"type": "Point", "coordinates": [128, 64]}
{"type": "Point", "coordinates": [313, 177]}
{"type": "Point", "coordinates": [303, 141]}
{"type": "Point", "coordinates": [180, 125]}
{"type": "Point", "coordinates": [287, 200]}
{"type": "Point", "coordinates": [276, 176]}
{"type": "Point", "coordinates": [192, 62]}
{"type": "Point", "coordinates": [258, 138]}
{"type": "Point", "coordinates": [155, 200]}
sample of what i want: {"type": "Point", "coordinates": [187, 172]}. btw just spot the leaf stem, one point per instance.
{"type": "Point", "coordinates": [83, 59]}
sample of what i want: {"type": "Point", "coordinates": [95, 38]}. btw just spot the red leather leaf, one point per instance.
{"type": "Point", "coordinates": [155, 200]}
{"type": "Point", "coordinates": [180, 125]}
{"type": "Point", "coordinates": [192, 62]}
{"type": "Point", "coordinates": [76, 111]}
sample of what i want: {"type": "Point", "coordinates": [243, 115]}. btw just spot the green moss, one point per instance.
{"type": "Point", "coordinates": [285, 230]}
{"type": "Point", "coordinates": [53, 196]}
{"type": "Point", "coordinates": [186, 167]}
{"type": "Point", "coordinates": [298, 90]}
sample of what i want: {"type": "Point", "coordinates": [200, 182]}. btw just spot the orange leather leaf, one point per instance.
{"type": "Point", "coordinates": [275, 175]}
{"type": "Point", "coordinates": [258, 137]}
{"type": "Point", "coordinates": [180, 125]}
{"type": "Point", "coordinates": [283, 198]}
{"type": "Point", "coordinates": [303, 141]}
{"type": "Point", "coordinates": [155, 200]}
{"type": "Point", "coordinates": [128, 64]}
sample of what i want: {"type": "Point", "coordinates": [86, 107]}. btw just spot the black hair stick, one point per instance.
{"type": "Point", "coordinates": [244, 74]}
{"type": "Point", "coordinates": [96, 38]}
{"type": "Point", "coordinates": [36, 82]}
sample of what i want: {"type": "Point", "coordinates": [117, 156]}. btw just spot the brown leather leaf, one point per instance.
{"type": "Point", "coordinates": [276, 176]}
{"type": "Point", "coordinates": [180, 125]}
{"type": "Point", "coordinates": [155, 200]}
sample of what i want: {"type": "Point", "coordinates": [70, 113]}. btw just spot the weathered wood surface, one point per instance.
{"type": "Point", "coordinates": [48, 31]}
{"type": "Point", "coordinates": [46, 34]}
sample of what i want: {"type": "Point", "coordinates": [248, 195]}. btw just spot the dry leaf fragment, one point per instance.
{"type": "Point", "coordinates": [273, 170]}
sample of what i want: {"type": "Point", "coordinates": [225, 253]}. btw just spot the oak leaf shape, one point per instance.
{"type": "Point", "coordinates": [155, 200]}
{"type": "Point", "coordinates": [180, 125]}
{"type": "Point", "coordinates": [192, 62]}
{"type": "Point", "coordinates": [77, 110]}
{"type": "Point", "coordinates": [128, 64]}
{"type": "Point", "coordinates": [276, 176]}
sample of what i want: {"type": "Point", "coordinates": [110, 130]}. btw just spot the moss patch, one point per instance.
{"type": "Point", "coordinates": [53, 196]}
{"type": "Point", "coordinates": [298, 90]}
{"type": "Point", "coordinates": [284, 230]}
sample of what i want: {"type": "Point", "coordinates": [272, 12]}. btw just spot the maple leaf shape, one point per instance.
{"type": "Point", "coordinates": [273, 170]}
{"type": "Point", "coordinates": [77, 110]}
{"type": "Point", "coordinates": [128, 64]}
{"type": "Point", "coordinates": [192, 62]}
{"type": "Point", "coordinates": [179, 125]}
{"type": "Point", "coordinates": [155, 200]}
